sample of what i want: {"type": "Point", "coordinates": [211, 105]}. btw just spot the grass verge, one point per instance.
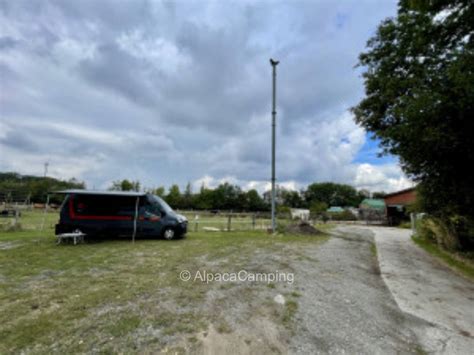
{"type": "Point", "coordinates": [454, 261]}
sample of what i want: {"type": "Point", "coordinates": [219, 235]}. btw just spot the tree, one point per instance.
{"type": "Point", "coordinates": [19, 187]}
{"type": "Point", "coordinates": [318, 209]}
{"type": "Point", "coordinates": [204, 199]}
{"type": "Point", "coordinates": [125, 185]}
{"type": "Point", "coordinates": [254, 201]}
{"type": "Point", "coordinates": [188, 197]}
{"type": "Point", "coordinates": [332, 194]}
{"type": "Point", "coordinates": [279, 191]}
{"type": "Point", "coordinates": [379, 194]}
{"type": "Point", "coordinates": [160, 191]}
{"type": "Point", "coordinates": [419, 83]}
{"type": "Point", "coordinates": [227, 197]}
{"type": "Point", "coordinates": [364, 193]}
{"type": "Point", "coordinates": [174, 197]}
{"type": "Point", "coordinates": [291, 198]}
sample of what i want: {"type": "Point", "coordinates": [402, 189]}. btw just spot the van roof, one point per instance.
{"type": "Point", "coordinates": [98, 192]}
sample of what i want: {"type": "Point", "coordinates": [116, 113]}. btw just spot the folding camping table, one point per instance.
{"type": "Point", "coordinates": [76, 237]}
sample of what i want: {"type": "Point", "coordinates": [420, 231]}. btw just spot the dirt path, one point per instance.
{"type": "Point", "coordinates": [426, 289]}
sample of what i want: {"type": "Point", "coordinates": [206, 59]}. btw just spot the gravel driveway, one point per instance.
{"type": "Point", "coordinates": [425, 288]}
{"type": "Point", "coordinates": [345, 306]}
{"type": "Point", "coordinates": [411, 304]}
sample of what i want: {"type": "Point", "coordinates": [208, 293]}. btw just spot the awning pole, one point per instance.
{"type": "Point", "coordinates": [135, 220]}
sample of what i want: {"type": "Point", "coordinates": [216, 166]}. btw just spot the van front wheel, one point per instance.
{"type": "Point", "coordinates": [169, 233]}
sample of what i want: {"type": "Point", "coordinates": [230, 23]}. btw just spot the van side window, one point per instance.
{"type": "Point", "coordinates": [152, 209]}
{"type": "Point", "coordinates": [97, 205]}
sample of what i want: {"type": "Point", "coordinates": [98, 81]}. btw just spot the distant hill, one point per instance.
{"type": "Point", "coordinates": [19, 186]}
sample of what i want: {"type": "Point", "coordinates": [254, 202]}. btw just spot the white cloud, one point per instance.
{"type": "Point", "coordinates": [261, 186]}
{"type": "Point", "coordinates": [171, 93]}
{"type": "Point", "coordinates": [158, 51]}
{"type": "Point", "coordinates": [388, 178]}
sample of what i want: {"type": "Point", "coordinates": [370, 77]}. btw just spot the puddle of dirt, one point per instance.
{"type": "Point", "coordinates": [303, 228]}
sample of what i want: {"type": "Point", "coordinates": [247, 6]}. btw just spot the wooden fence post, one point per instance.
{"type": "Point", "coordinates": [15, 221]}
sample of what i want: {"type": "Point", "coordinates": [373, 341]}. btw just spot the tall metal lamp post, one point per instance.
{"type": "Point", "coordinates": [274, 63]}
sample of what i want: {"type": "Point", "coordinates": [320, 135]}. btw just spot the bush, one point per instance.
{"type": "Point", "coordinates": [343, 216]}
{"type": "Point", "coordinates": [454, 233]}
{"type": "Point", "coordinates": [405, 225]}
{"type": "Point", "coordinates": [317, 209]}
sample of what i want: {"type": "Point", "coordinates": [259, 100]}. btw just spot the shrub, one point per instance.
{"type": "Point", "coordinates": [343, 216]}
{"type": "Point", "coordinates": [454, 233]}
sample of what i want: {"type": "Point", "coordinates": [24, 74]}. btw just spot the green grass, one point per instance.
{"type": "Point", "coordinates": [33, 220]}
{"type": "Point", "coordinates": [373, 249]}
{"type": "Point", "coordinates": [291, 306]}
{"type": "Point", "coordinates": [460, 264]}
{"type": "Point", "coordinates": [78, 298]}
{"type": "Point", "coordinates": [405, 225]}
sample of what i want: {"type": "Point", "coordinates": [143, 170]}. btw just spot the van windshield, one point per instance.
{"type": "Point", "coordinates": [163, 205]}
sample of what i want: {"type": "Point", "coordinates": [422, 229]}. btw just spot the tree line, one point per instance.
{"type": "Point", "coordinates": [317, 196]}
{"type": "Point", "coordinates": [19, 188]}
{"type": "Point", "coordinates": [229, 197]}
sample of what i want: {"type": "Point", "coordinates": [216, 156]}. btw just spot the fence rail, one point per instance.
{"type": "Point", "coordinates": [27, 217]}
{"type": "Point", "coordinates": [226, 221]}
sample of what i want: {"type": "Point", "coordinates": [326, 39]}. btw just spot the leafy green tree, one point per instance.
{"type": "Point", "coordinates": [379, 194]}
{"type": "Point", "coordinates": [204, 199]}
{"type": "Point", "coordinates": [188, 201]}
{"type": "Point", "coordinates": [160, 191]}
{"type": "Point", "coordinates": [228, 197]}
{"type": "Point", "coordinates": [174, 198]}
{"type": "Point", "coordinates": [318, 209]}
{"type": "Point", "coordinates": [19, 187]}
{"type": "Point", "coordinates": [291, 198]}
{"type": "Point", "coordinates": [419, 83]}
{"type": "Point", "coordinates": [254, 201]}
{"type": "Point", "coordinates": [125, 185]}
{"type": "Point", "coordinates": [332, 194]}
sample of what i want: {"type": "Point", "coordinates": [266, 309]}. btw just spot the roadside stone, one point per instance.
{"type": "Point", "coordinates": [279, 299]}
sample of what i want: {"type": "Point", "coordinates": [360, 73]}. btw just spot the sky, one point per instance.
{"type": "Point", "coordinates": [178, 92]}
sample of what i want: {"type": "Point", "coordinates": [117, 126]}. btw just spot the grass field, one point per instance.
{"type": "Point", "coordinates": [115, 296]}
{"type": "Point", "coordinates": [33, 220]}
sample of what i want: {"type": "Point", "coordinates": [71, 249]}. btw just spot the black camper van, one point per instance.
{"type": "Point", "coordinates": [119, 213]}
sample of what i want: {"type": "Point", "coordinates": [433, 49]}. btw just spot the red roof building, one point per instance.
{"type": "Point", "coordinates": [396, 204]}
{"type": "Point", "coordinates": [403, 197]}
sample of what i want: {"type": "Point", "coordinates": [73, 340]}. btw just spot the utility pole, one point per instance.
{"type": "Point", "coordinates": [46, 164]}
{"type": "Point", "coordinates": [274, 63]}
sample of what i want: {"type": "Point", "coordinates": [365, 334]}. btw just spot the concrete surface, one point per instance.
{"type": "Point", "coordinates": [424, 288]}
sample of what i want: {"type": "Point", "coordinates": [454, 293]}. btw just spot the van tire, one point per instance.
{"type": "Point", "coordinates": [169, 233]}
